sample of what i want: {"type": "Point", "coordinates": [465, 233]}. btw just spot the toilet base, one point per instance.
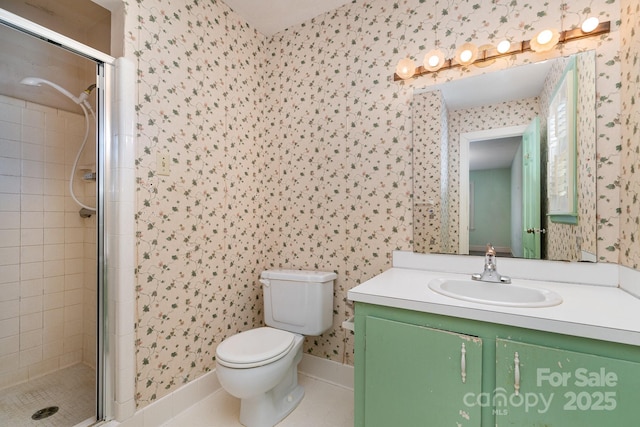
{"type": "Point", "coordinates": [270, 408]}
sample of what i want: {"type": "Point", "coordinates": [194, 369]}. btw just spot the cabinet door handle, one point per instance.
{"type": "Point", "coordinates": [516, 361]}
{"type": "Point", "coordinates": [463, 363]}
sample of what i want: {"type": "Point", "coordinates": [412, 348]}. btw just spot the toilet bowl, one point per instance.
{"type": "Point", "coordinates": [260, 367]}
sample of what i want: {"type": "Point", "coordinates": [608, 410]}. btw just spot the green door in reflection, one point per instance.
{"type": "Point", "coordinates": [531, 244]}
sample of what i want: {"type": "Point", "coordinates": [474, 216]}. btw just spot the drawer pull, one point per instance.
{"type": "Point", "coordinates": [516, 362]}
{"type": "Point", "coordinates": [463, 363]}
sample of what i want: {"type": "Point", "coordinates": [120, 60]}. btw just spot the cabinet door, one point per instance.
{"type": "Point", "coordinates": [416, 376]}
{"type": "Point", "coordinates": [538, 386]}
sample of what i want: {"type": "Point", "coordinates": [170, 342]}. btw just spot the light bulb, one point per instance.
{"type": "Point", "coordinates": [433, 60]}
{"type": "Point", "coordinates": [406, 68]}
{"type": "Point", "coordinates": [544, 37]}
{"type": "Point", "coordinates": [504, 46]}
{"type": "Point", "coordinates": [590, 24]}
{"type": "Point", "coordinates": [466, 54]}
{"type": "Point", "coordinates": [545, 40]}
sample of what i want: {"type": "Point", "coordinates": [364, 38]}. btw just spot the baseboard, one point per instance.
{"type": "Point", "coordinates": [327, 370]}
{"type": "Point", "coordinates": [169, 406]}
{"type": "Point", "coordinates": [166, 408]}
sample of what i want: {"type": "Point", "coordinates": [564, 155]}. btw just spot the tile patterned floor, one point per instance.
{"type": "Point", "coordinates": [72, 389]}
{"type": "Point", "coordinates": [324, 405]}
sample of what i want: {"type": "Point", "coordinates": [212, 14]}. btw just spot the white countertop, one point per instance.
{"type": "Point", "coordinates": [601, 312]}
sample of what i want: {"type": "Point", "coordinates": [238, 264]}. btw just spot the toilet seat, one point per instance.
{"type": "Point", "coordinates": [255, 347]}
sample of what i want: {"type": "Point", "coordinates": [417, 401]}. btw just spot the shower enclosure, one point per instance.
{"type": "Point", "coordinates": [51, 231]}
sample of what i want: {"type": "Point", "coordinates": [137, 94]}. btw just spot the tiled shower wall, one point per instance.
{"type": "Point", "coordinates": [47, 315]}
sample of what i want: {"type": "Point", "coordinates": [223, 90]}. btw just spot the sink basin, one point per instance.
{"type": "Point", "coordinates": [495, 293]}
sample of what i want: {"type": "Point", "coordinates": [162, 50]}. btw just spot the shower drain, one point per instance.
{"type": "Point", "coordinates": [44, 413]}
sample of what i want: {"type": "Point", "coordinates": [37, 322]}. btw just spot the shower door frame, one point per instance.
{"type": "Point", "coordinates": [105, 82]}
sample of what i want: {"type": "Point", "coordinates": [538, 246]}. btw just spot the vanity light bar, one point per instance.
{"type": "Point", "coordinates": [523, 46]}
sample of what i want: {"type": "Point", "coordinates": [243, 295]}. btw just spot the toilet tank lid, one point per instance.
{"type": "Point", "coordinates": [299, 275]}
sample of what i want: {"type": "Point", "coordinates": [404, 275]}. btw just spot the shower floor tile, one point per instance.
{"type": "Point", "coordinates": [71, 389]}
{"type": "Point", "coordinates": [324, 405]}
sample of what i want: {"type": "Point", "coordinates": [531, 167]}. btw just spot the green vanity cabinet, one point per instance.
{"type": "Point", "coordinates": [418, 376]}
{"type": "Point", "coordinates": [408, 372]}
{"type": "Point", "coordinates": [542, 386]}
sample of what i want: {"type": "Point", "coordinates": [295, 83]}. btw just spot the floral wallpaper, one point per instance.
{"type": "Point", "coordinates": [444, 176]}
{"type": "Point", "coordinates": [296, 151]}
{"type": "Point", "coordinates": [199, 238]}
{"type": "Point", "coordinates": [630, 146]}
{"type": "Point", "coordinates": [428, 109]}
{"type": "Point", "coordinates": [343, 138]}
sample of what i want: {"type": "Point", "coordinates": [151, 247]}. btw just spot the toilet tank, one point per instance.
{"type": "Point", "coordinates": [299, 301]}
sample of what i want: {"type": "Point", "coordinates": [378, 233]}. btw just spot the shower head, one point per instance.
{"type": "Point", "coordinates": [31, 81]}
{"type": "Point", "coordinates": [36, 81]}
{"type": "Point", "coordinates": [86, 211]}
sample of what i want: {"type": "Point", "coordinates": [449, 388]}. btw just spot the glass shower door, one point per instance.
{"type": "Point", "coordinates": [51, 257]}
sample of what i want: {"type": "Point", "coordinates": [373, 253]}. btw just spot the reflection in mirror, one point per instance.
{"type": "Point", "coordinates": [479, 176]}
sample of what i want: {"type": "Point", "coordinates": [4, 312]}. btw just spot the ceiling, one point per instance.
{"type": "Point", "coordinates": [494, 87]}
{"type": "Point", "coordinates": [73, 18]}
{"type": "Point", "coordinates": [272, 16]}
{"type": "Point", "coordinates": [267, 16]}
{"type": "Point", "coordinates": [493, 153]}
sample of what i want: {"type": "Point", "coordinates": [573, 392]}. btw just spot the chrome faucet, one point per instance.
{"type": "Point", "coordinates": [490, 273]}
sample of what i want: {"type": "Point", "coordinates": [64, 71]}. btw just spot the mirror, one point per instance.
{"type": "Point", "coordinates": [469, 163]}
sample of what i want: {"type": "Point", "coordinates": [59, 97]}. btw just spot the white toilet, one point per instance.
{"type": "Point", "coordinates": [260, 366]}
